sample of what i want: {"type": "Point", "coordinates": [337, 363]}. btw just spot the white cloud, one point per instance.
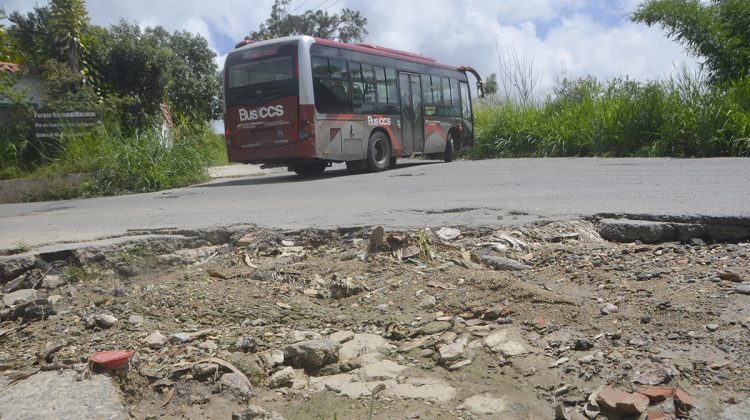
{"type": "Point", "coordinates": [574, 37]}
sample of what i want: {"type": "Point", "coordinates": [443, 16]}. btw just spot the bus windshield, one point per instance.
{"type": "Point", "coordinates": [260, 74]}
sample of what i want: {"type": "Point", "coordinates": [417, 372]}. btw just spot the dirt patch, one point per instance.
{"type": "Point", "coordinates": [490, 343]}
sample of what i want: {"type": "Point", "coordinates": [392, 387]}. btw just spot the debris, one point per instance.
{"type": "Point", "coordinates": [448, 234]}
{"type": "Point", "coordinates": [111, 360]}
{"type": "Point", "coordinates": [656, 376]}
{"type": "Point", "coordinates": [440, 285]}
{"type": "Point", "coordinates": [377, 240]}
{"type": "Point", "coordinates": [155, 340]}
{"type": "Point", "coordinates": [236, 384]}
{"type": "Point", "coordinates": [502, 263]}
{"type": "Point", "coordinates": [624, 402]}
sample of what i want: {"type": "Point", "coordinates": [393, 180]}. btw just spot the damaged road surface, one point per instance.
{"type": "Point", "coordinates": [542, 321]}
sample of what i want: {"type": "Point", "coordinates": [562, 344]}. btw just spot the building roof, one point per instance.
{"type": "Point", "coordinates": [9, 67]}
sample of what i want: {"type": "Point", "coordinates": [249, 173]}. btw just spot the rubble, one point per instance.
{"type": "Point", "coordinates": [305, 322]}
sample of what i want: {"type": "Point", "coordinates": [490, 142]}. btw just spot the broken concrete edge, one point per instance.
{"type": "Point", "coordinates": [624, 228]}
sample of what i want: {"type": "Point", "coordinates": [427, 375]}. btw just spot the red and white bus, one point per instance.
{"type": "Point", "coordinates": [303, 103]}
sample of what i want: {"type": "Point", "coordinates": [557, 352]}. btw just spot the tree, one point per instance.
{"type": "Point", "coordinates": [490, 85]}
{"type": "Point", "coordinates": [30, 36]}
{"type": "Point", "coordinates": [67, 21]}
{"type": "Point", "coordinates": [717, 31]}
{"type": "Point", "coordinates": [346, 26]}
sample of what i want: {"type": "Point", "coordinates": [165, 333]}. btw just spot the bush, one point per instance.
{"type": "Point", "coordinates": [143, 161]}
{"type": "Point", "coordinates": [681, 117]}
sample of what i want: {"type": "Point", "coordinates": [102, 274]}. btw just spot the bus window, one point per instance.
{"type": "Point", "coordinates": [382, 91]}
{"type": "Point", "coordinates": [427, 90]}
{"type": "Point", "coordinates": [390, 81]}
{"type": "Point", "coordinates": [331, 89]}
{"type": "Point", "coordinates": [369, 76]}
{"type": "Point", "coordinates": [454, 93]}
{"type": "Point", "coordinates": [358, 88]}
{"type": "Point", "coordinates": [447, 102]}
{"type": "Point", "coordinates": [320, 67]}
{"type": "Point", "coordinates": [338, 68]}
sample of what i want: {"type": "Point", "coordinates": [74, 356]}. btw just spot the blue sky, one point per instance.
{"type": "Point", "coordinates": [562, 38]}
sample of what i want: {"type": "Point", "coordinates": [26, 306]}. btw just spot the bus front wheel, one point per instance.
{"type": "Point", "coordinates": [451, 145]}
{"type": "Point", "coordinates": [378, 152]}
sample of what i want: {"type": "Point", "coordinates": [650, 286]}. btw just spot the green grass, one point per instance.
{"type": "Point", "coordinates": [680, 117]}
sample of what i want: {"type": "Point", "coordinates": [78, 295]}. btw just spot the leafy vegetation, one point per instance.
{"type": "Point", "coordinates": [139, 80]}
{"type": "Point", "coordinates": [686, 115]}
{"type": "Point", "coordinates": [681, 117]}
{"type": "Point", "coordinates": [346, 26]}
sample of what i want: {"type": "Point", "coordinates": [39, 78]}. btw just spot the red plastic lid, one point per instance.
{"type": "Point", "coordinates": [111, 359]}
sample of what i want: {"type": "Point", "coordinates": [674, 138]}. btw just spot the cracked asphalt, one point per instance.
{"type": "Point", "coordinates": [415, 194]}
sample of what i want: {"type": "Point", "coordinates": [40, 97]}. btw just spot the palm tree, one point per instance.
{"type": "Point", "coordinates": [67, 21]}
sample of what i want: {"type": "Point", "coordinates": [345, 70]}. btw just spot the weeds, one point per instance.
{"type": "Point", "coordinates": [681, 117]}
{"type": "Point", "coordinates": [20, 248]}
{"type": "Point", "coordinates": [79, 274]}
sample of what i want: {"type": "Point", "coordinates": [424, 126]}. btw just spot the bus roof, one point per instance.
{"type": "Point", "coordinates": [363, 48]}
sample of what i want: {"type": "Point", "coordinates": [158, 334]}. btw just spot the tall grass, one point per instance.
{"type": "Point", "coordinates": [139, 161]}
{"type": "Point", "coordinates": [682, 116]}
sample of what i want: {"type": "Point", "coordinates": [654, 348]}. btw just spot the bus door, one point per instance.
{"type": "Point", "coordinates": [466, 115]}
{"type": "Point", "coordinates": [412, 119]}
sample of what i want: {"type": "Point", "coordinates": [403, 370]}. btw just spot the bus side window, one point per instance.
{"type": "Point", "coordinates": [330, 85]}
{"type": "Point", "coordinates": [390, 81]}
{"type": "Point", "coordinates": [382, 91]}
{"type": "Point", "coordinates": [455, 110]}
{"type": "Point", "coordinates": [369, 76]}
{"type": "Point", "coordinates": [358, 88]}
{"type": "Point", "coordinates": [429, 101]}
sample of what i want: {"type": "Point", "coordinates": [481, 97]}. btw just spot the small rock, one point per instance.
{"type": "Point", "coordinates": [562, 390]}
{"type": "Point", "coordinates": [383, 307]}
{"type": "Point", "coordinates": [435, 327]}
{"type": "Point", "coordinates": [180, 337]}
{"type": "Point", "coordinates": [53, 281]}
{"type": "Point", "coordinates": [236, 384]}
{"type": "Point", "coordinates": [656, 376]}
{"type": "Point", "coordinates": [285, 242]}
{"type": "Point", "coordinates": [559, 362]}
{"type": "Point", "coordinates": [135, 320]}
{"type": "Point", "coordinates": [208, 346]}
{"type": "Point", "coordinates": [377, 239]}
{"type": "Point", "coordinates": [297, 336]}
{"type": "Point", "coordinates": [503, 264]}
{"type": "Point", "coordinates": [278, 357]}
{"type": "Point", "coordinates": [609, 308]}
{"type": "Point", "coordinates": [37, 310]}
{"type": "Point", "coordinates": [105, 320]}
{"type": "Point", "coordinates": [743, 289]}
{"type": "Point", "coordinates": [712, 327]}
{"type": "Point", "coordinates": [19, 296]}
{"type": "Point", "coordinates": [155, 340]}
{"type": "Point", "coordinates": [452, 352]}
{"type": "Point", "coordinates": [485, 404]}
{"type": "Point", "coordinates": [247, 343]}
{"type": "Point", "coordinates": [203, 371]}
{"type": "Point", "coordinates": [282, 378]}
{"type": "Point", "coordinates": [495, 312]}
{"type": "Point", "coordinates": [54, 299]}
{"type": "Point", "coordinates": [730, 276]}
{"type": "Point", "coordinates": [342, 336]}
{"type": "Point", "coordinates": [428, 302]}
{"type": "Point", "coordinates": [529, 372]}
{"type": "Point", "coordinates": [309, 292]}
{"type": "Point", "coordinates": [249, 365]}
{"type": "Point", "coordinates": [253, 412]}
{"type": "Point", "coordinates": [682, 403]}
{"type": "Point", "coordinates": [448, 234]}
{"type": "Point", "coordinates": [312, 353]}
{"type": "Point", "coordinates": [460, 364]}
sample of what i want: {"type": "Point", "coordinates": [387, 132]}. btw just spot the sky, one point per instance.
{"type": "Point", "coordinates": [551, 38]}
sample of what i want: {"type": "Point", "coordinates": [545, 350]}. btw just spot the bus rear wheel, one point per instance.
{"type": "Point", "coordinates": [378, 152]}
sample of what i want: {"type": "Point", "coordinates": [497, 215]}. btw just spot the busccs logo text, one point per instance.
{"type": "Point", "coordinates": [378, 121]}
{"type": "Point", "coordinates": [264, 112]}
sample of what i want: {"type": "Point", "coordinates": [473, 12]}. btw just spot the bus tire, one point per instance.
{"type": "Point", "coordinates": [449, 144]}
{"type": "Point", "coordinates": [378, 152]}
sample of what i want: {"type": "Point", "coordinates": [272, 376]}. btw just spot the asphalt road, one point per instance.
{"type": "Point", "coordinates": [415, 194]}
